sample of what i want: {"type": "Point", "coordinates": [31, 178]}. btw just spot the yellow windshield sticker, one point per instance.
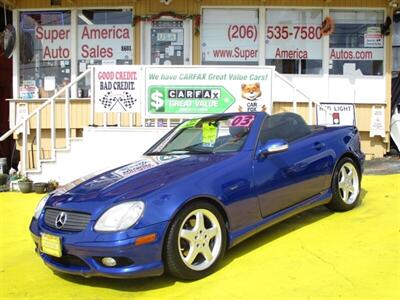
{"type": "Point", "coordinates": [189, 123]}
{"type": "Point", "coordinates": [210, 132]}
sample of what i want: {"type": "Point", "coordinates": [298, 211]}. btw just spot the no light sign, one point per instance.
{"type": "Point", "coordinates": [336, 114]}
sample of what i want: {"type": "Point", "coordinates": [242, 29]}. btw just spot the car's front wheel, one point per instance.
{"type": "Point", "coordinates": [196, 241]}
{"type": "Point", "coordinates": [346, 186]}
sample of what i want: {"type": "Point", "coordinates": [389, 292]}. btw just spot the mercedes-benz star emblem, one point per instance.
{"type": "Point", "coordinates": [61, 219]}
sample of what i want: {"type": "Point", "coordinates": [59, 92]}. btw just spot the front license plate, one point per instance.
{"type": "Point", "coordinates": [51, 244]}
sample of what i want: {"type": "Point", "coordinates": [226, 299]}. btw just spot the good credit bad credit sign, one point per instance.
{"type": "Point", "coordinates": [117, 88]}
{"type": "Point", "coordinates": [184, 91]}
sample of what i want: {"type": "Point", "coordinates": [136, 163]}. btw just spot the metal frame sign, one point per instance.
{"type": "Point", "coordinates": [180, 91]}
{"type": "Point", "coordinates": [117, 88]}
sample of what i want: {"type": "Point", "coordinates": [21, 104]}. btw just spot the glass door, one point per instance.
{"type": "Point", "coordinates": [167, 42]}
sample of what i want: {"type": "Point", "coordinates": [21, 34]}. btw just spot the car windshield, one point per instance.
{"type": "Point", "coordinates": [215, 134]}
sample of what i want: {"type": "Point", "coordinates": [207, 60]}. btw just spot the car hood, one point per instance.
{"type": "Point", "coordinates": [130, 181]}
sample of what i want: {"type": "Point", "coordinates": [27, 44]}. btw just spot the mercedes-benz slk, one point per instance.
{"type": "Point", "coordinates": [207, 185]}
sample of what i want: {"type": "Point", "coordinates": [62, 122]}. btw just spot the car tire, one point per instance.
{"type": "Point", "coordinates": [196, 241]}
{"type": "Point", "coordinates": [346, 186]}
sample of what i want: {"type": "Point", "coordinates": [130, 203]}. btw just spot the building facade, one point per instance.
{"type": "Point", "coordinates": [335, 51]}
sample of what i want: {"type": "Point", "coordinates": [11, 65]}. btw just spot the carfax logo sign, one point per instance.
{"type": "Point", "coordinates": [189, 99]}
{"type": "Point", "coordinates": [183, 91]}
{"type": "Point", "coordinates": [117, 89]}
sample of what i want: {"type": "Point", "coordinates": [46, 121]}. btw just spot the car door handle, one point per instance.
{"type": "Point", "coordinates": [318, 145]}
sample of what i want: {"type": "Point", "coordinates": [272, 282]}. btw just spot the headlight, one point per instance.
{"type": "Point", "coordinates": [120, 217]}
{"type": "Point", "coordinates": [40, 206]}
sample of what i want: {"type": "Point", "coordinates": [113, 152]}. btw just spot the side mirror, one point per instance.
{"type": "Point", "coordinates": [272, 146]}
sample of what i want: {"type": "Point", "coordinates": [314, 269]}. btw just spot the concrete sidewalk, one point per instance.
{"type": "Point", "coordinates": [382, 166]}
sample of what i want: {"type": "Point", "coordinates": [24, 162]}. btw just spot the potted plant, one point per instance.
{"type": "Point", "coordinates": [25, 184]}
{"type": "Point", "coordinates": [40, 187]}
{"type": "Point", "coordinates": [52, 185]}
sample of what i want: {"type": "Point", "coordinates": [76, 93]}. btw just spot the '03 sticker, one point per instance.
{"type": "Point", "coordinates": [242, 121]}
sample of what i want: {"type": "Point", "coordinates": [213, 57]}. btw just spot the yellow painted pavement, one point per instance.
{"type": "Point", "coordinates": [315, 255]}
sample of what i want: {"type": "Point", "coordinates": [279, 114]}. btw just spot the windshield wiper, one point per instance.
{"type": "Point", "coordinates": [156, 153]}
{"type": "Point", "coordinates": [192, 149]}
{"type": "Point", "coordinates": [187, 150]}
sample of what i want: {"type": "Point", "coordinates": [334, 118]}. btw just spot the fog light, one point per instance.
{"type": "Point", "coordinates": [109, 261]}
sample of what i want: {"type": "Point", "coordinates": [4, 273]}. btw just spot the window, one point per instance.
{"type": "Point", "coordinates": [356, 45]}
{"type": "Point", "coordinates": [294, 41]}
{"type": "Point", "coordinates": [230, 37]}
{"type": "Point", "coordinates": [45, 53]}
{"type": "Point", "coordinates": [286, 126]}
{"type": "Point", "coordinates": [104, 37]}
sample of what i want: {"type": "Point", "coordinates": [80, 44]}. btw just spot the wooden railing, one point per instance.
{"type": "Point", "coordinates": [37, 114]}
{"type": "Point", "coordinates": [295, 92]}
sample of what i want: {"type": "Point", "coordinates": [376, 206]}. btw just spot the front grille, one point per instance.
{"type": "Point", "coordinates": [74, 221]}
{"type": "Point", "coordinates": [68, 261]}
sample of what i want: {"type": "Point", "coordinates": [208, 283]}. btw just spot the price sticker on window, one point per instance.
{"type": "Point", "coordinates": [210, 132]}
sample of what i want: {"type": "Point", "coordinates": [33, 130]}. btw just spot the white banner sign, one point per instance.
{"type": "Point", "coordinates": [117, 88]}
{"type": "Point", "coordinates": [105, 41]}
{"type": "Point", "coordinates": [336, 114]}
{"type": "Point", "coordinates": [185, 91]}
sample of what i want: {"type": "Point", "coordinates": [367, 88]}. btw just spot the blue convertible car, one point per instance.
{"type": "Point", "coordinates": [204, 187]}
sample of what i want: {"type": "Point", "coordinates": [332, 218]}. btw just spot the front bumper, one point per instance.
{"type": "Point", "coordinates": [84, 257]}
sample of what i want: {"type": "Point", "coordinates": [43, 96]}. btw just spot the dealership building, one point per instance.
{"type": "Point", "coordinates": [335, 55]}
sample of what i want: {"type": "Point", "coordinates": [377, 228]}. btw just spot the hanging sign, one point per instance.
{"type": "Point", "coordinates": [117, 88]}
{"type": "Point", "coordinates": [336, 114]}
{"type": "Point", "coordinates": [373, 38]}
{"type": "Point", "coordinates": [184, 91]}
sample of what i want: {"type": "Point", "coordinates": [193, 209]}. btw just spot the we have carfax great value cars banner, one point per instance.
{"type": "Point", "coordinates": [181, 91]}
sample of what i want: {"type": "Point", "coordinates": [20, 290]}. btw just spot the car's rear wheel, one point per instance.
{"type": "Point", "coordinates": [346, 186]}
{"type": "Point", "coordinates": [196, 241]}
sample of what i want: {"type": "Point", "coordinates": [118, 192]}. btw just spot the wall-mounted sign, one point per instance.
{"type": "Point", "coordinates": [377, 126]}
{"type": "Point", "coordinates": [336, 114]}
{"type": "Point", "coordinates": [184, 91]}
{"type": "Point", "coordinates": [22, 113]}
{"type": "Point", "coordinates": [117, 88]}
